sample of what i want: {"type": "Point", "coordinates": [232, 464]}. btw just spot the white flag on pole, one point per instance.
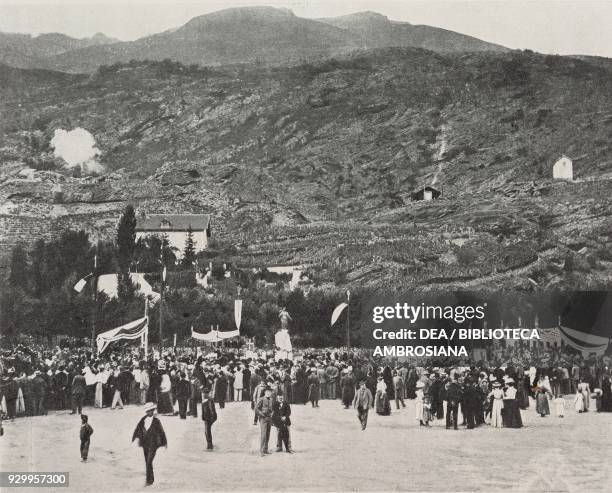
{"type": "Point", "coordinates": [78, 287]}
{"type": "Point", "coordinates": [337, 312]}
{"type": "Point", "coordinates": [238, 312]}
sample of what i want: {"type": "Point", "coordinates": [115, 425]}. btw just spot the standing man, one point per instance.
{"type": "Point", "coordinates": [362, 402]}
{"type": "Point", "coordinates": [453, 397]}
{"type": "Point", "coordinates": [238, 384]}
{"type": "Point", "coordinates": [282, 421]}
{"type": "Point", "coordinates": [258, 393]}
{"type": "Point", "coordinates": [264, 411]}
{"type": "Point", "coordinates": [209, 416]}
{"type": "Point", "coordinates": [114, 382]}
{"type": "Point", "coordinates": [150, 434]}
{"type": "Point", "coordinates": [332, 380]}
{"type": "Point", "coordinates": [78, 388]}
{"type": "Point", "coordinates": [221, 387]}
{"type": "Point", "coordinates": [398, 385]}
{"type": "Point", "coordinates": [183, 393]}
{"type": "Point", "coordinates": [60, 384]}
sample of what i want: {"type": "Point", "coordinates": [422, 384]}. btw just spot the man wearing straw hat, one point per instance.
{"type": "Point", "coordinates": [150, 434]}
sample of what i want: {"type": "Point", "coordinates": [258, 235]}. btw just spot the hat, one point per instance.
{"type": "Point", "coordinates": [496, 384]}
{"type": "Point", "coordinates": [510, 380]}
{"type": "Point", "coordinates": [150, 406]}
{"type": "Point", "coordinates": [420, 385]}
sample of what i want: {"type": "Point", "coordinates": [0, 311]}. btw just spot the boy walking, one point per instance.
{"type": "Point", "coordinates": [85, 434]}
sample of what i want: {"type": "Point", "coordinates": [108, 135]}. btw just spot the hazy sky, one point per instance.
{"type": "Point", "coordinates": [549, 26]}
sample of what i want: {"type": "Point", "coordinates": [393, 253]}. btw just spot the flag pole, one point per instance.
{"type": "Point", "coordinates": [348, 318]}
{"type": "Point", "coordinates": [95, 304]}
{"type": "Point", "coordinates": [146, 334]}
{"type": "Point", "coordinates": [161, 301]}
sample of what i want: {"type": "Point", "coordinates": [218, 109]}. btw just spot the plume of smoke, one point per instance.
{"type": "Point", "coordinates": [78, 148]}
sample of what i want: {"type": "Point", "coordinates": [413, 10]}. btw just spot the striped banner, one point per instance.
{"type": "Point", "coordinates": [585, 343]}
{"type": "Point", "coordinates": [132, 330]}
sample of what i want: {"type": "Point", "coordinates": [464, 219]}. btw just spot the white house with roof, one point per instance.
{"type": "Point", "coordinates": [175, 228]}
{"type": "Point", "coordinates": [563, 169]}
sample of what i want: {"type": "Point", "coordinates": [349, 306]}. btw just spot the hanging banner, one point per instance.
{"type": "Point", "coordinates": [228, 334]}
{"type": "Point", "coordinates": [585, 343]}
{"type": "Point", "coordinates": [210, 336]}
{"type": "Point", "coordinates": [337, 312]}
{"type": "Point", "coordinates": [238, 312]}
{"type": "Point", "coordinates": [132, 330]}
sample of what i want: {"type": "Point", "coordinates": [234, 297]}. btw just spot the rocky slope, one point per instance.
{"type": "Point", "coordinates": [315, 164]}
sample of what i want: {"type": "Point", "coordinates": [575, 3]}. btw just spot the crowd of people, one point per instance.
{"type": "Point", "coordinates": [188, 382]}
{"type": "Point", "coordinates": [37, 379]}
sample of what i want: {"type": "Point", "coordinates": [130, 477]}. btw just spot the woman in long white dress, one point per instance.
{"type": "Point", "coordinates": [498, 404]}
{"type": "Point", "coordinates": [585, 390]}
{"type": "Point", "coordinates": [421, 409]}
{"type": "Point", "coordinates": [100, 381]}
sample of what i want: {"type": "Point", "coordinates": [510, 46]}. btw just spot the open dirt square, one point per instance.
{"type": "Point", "coordinates": [332, 453]}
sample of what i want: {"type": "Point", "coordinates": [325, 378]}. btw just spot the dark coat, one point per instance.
{"type": "Point", "coordinates": [153, 438]}
{"type": "Point", "coordinates": [221, 389]}
{"type": "Point", "coordinates": [79, 387]}
{"type": "Point", "coordinates": [183, 389]}
{"type": "Point", "coordinates": [281, 411]}
{"type": "Point", "coordinates": [86, 431]}
{"type": "Point", "coordinates": [39, 385]}
{"type": "Point", "coordinates": [347, 385]}
{"type": "Point", "coordinates": [209, 412]}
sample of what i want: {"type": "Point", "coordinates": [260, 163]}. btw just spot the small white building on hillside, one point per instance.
{"type": "Point", "coordinates": [563, 169]}
{"type": "Point", "coordinates": [175, 228]}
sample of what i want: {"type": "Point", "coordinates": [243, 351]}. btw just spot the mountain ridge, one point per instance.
{"type": "Point", "coordinates": [254, 34]}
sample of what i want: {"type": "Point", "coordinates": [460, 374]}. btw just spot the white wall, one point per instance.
{"type": "Point", "coordinates": [177, 239]}
{"type": "Point", "coordinates": [563, 169]}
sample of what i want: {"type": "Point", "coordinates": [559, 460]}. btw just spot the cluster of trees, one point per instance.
{"type": "Point", "coordinates": [39, 297]}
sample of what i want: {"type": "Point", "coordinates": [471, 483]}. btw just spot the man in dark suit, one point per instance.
{"type": "Point", "coordinates": [264, 411]}
{"type": "Point", "coordinates": [454, 395]}
{"type": "Point", "coordinates": [150, 434]}
{"type": "Point", "coordinates": [209, 416]}
{"type": "Point", "coordinates": [362, 402]}
{"type": "Point", "coordinates": [221, 389]}
{"type": "Point", "coordinates": [60, 383]}
{"type": "Point", "coordinates": [258, 393]}
{"type": "Point", "coordinates": [78, 389]}
{"type": "Point", "coordinates": [281, 410]}
{"type": "Point", "coordinates": [183, 393]}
